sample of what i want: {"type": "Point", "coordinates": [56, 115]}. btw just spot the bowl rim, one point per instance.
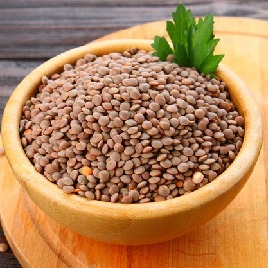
{"type": "Point", "coordinates": [37, 184]}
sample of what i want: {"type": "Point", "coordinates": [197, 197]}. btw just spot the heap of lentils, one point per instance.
{"type": "Point", "coordinates": [128, 128]}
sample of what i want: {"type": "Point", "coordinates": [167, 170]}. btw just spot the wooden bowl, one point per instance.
{"type": "Point", "coordinates": [130, 224]}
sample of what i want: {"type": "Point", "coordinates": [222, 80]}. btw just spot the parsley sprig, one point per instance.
{"type": "Point", "coordinates": [193, 43]}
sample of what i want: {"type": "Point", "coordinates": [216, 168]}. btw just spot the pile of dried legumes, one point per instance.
{"type": "Point", "coordinates": [128, 128]}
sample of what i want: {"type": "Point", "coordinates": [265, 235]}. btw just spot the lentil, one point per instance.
{"type": "Point", "coordinates": [2, 151]}
{"type": "Point", "coordinates": [198, 177]}
{"type": "Point", "coordinates": [86, 171]}
{"type": "Point", "coordinates": [3, 247]}
{"type": "Point", "coordinates": [164, 190]}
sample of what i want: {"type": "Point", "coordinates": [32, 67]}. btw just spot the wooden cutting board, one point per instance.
{"type": "Point", "coordinates": [236, 238]}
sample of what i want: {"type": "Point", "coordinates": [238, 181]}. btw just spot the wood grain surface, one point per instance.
{"type": "Point", "coordinates": [235, 238]}
{"type": "Point", "coordinates": [41, 29]}
{"type": "Point", "coordinates": [20, 55]}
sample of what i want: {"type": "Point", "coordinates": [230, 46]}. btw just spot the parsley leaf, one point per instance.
{"type": "Point", "coordinates": [182, 21]}
{"type": "Point", "coordinates": [165, 48]}
{"type": "Point", "coordinates": [210, 63]}
{"type": "Point", "coordinates": [193, 43]}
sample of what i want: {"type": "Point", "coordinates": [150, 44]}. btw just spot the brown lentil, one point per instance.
{"type": "Point", "coordinates": [164, 190]}
{"type": "Point", "coordinates": [2, 151]}
{"type": "Point", "coordinates": [4, 247]}
{"type": "Point", "coordinates": [198, 177]}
